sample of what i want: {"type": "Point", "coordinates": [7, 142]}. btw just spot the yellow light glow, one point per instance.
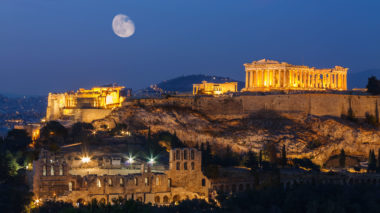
{"type": "Point", "coordinates": [86, 159]}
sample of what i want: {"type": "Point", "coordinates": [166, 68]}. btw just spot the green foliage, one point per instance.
{"type": "Point", "coordinates": [52, 136]}
{"type": "Point", "coordinates": [371, 161]}
{"type": "Point", "coordinates": [378, 161]}
{"type": "Point", "coordinates": [373, 85]}
{"type": "Point", "coordinates": [81, 131]}
{"type": "Point", "coordinates": [297, 199]}
{"type": "Point", "coordinates": [306, 163]}
{"type": "Point", "coordinates": [370, 119]}
{"type": "Point", "coordinates": [14, 153]}
{"type": "Point", "coordinates": [270, 151]}
{"type": "Point", "coordinates": [342, 159]}
{"type": "Point", "coordinates": [250, 160]}
{"type": "Point", "coordinates": [284, 160]}
{"type": "Point", "coordinates": [17, 140]}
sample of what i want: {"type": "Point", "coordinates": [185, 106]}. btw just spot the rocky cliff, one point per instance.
{"type": "Point", "coordinates": [304, 135]}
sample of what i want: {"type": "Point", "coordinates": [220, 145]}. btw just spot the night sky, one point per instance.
{"type": "Point", "coordinates": [58, 45]}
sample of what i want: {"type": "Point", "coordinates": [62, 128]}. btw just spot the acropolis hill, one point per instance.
{"type": "Point", "coordinates": [301, 107]}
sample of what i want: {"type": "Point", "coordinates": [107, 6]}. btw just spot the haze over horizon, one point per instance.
{"type": "Point", "coordinates": [54, 46]}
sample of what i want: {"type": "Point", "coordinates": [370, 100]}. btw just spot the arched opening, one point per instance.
{"type": "Point", "coordinates": [176, 198]}
{"type": "Point", "coordinates": [157, 199]}
{"type": "Point", "coordinates": [121, 182]}
{"type": "Point", "coordinates": [166, 199]}
{"type": "Point", "coordinates": [233, 188]}
{"type": "Point", "coordinates": [185, 166]}
{"type": "Point", "coordinates": [157, 181]}
{"type": "Point", "coordinates": [52, 170]}
{"type": "Point", "coordinates": [109, 182]}
{"type": "Point", "coordinates": [70, 186]}
{"type": "Point", "coordinates": [61, 170]}
{"type": "Point", "coordinates": [192, 154]}
{"type": "Point", "coordinates": [98, 183]}
{"type": "Point", "coordinates": [185, 154]}
{"type": "Point", "coordinates": [80, 202]}
{"type": "Point", "coordinates": [102, 201]}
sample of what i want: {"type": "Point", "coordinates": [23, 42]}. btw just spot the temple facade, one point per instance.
{"type": "Point", "coordinates": [209, 88]}
{"type": "Point", "coordinates": [266, 75]}
{"type": "Point", "coordinates": [98, 100]}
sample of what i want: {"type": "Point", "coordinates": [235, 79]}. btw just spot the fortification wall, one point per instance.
{"type": "Point", "coordinates": [315, 104]}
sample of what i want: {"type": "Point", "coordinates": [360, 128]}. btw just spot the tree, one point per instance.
{"type": "Point", "coordinates": [378, 160]}
{"type": "Point", "coordinates": [271, 152]}
{"type": "Point", "coordinates": [17, 140]}
{"type": "Point", "coordinates": [251, 161]}
{"type": "Point", "coordinates": [261, 158]}
{"type": "Point", "coordinates": [342, 159]}
{"type": "Point", "coordinates": [284, 160]}
{"type": "Point", "coordinates": [80, 131]}
{"type": "Point", "coordinates": [371, 161]}
{"type": "Point", "coordinates": [373, 85]}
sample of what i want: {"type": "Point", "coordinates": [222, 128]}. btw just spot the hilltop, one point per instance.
{"type": "Point", "coordinates": [183, 84]}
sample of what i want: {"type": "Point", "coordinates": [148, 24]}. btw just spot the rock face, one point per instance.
{"type": "Point", "coordinates": [317, 138]}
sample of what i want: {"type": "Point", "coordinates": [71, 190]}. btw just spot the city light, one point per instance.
{"type": "Point", "coordinates": [85, 159]}
{"type": "Point", "coordinates": [131, 160]}
{"type": "Point", "coordinates": [151, 161]}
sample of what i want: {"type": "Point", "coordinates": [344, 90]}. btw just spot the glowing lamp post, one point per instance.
{"type": "Point", "coordinates": [85, 159]}
{"type": "Point", "coordinates": [151, 161]}
{"type": "Point", "coordinates": [131, 160]}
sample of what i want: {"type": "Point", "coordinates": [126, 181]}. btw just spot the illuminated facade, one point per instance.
{"type": "Point", "coordinates": [208, 88]}
{"type": "Point", "coordinates": [65, 104]}
{"type": "Point", "coordinates": [266, 75]}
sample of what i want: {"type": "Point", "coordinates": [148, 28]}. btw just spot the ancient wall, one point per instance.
{"type": "Point", "coordinates": [315, 104]}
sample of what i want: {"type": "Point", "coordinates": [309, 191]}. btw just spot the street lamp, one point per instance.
{"type": "Point", "coordinates": [85, 159]}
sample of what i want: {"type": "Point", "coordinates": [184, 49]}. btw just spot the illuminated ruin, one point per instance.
{"type": "Point", "coordinates": [67, 104]}
{"type": "Point", "coordinates": [266, 75]}
{"type": "Point", "coordinates": [208, 88]}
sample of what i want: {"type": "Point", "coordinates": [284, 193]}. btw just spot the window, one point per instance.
{"type": "Point", "coordinates": [203, 182]}
{"type": "Point", "coordinates": [52, 170]}
{"type": "Point", "coordinates": [61, 170]}
{"type": "Point", "coordinates": [121, 182]}
{"type": "Point", "coordinates": [44, 171]}
{"type": "Point", "coordinates": [192, 154]}
{"type": "Point", "coordinates": [192, 166]}
{"type": "Point", "coordinates": [157, 181]}
{"type": "Point", "coordinates": [177, 155]}
{"type": "Point", "coordinates": [136, 181]}
{"type": "Point", "coordinates": [70, 186]}
{"type": "Point", "coordinates": [185, 166]}
{"type": "Point", "coordinates": [146, 181]}
{"type": "Point", "coordinates": [99, 183]}
{"type": "Point", "coordinates": [109, 182]}
{"type": "Point", "coordinates": [178, 166]}
{"type": "Point", "coordinates": [185, 154]}
{"type": "Point", "coordinates": [169, 182]}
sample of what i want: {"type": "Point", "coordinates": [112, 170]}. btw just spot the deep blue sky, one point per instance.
{"type": "Point", "coordinates": [56, 45]}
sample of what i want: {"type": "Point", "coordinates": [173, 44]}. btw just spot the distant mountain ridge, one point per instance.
{"type": "Point", "coordinates": [185, 83]}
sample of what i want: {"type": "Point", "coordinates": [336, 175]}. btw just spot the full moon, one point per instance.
{"type": "Point", "coordinates": [123, 26]}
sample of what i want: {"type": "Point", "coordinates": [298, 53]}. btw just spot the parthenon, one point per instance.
{"type": "Point", "coordinates": [265, 75]}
